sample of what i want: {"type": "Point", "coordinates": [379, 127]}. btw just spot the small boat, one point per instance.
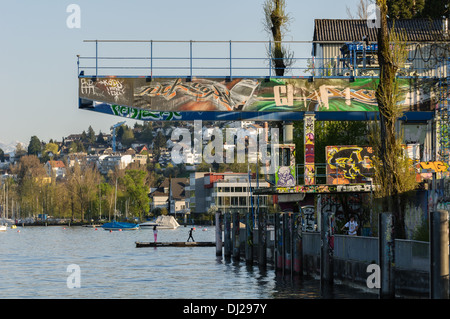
{"type": "Point", "coordinates": [162, 222]}
{"type": "Point", "coordinates": [120, 226]}
{"type": "Point", "coordinates": [3, 227]}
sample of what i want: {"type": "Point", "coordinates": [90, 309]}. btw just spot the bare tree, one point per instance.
{"type": "Point", "coordinates": [276, 23]}
{"type": "Point", "coordinates": [361, 10]}
{"type": "Point", "coordinates": [393, 175]}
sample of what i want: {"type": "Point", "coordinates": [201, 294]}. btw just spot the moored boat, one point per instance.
{"type": "Point", "coordinates": [162, 222]}
{"type": "Point", "coordinates": [120, 226]}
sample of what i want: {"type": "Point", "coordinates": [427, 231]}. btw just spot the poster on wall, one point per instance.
{"type": "Point", "coordinates": [251, 94]}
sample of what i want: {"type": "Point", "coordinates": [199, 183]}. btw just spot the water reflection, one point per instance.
{"type": "Point", "coordinates": [279, 284]}
{"type": "Point", "coordinates": [33, 264]}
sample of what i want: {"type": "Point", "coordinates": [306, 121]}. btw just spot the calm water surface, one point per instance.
{"type": "Point", "coordinates": [34, 261]}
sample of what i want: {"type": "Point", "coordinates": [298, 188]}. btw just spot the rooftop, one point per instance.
{"type": "Point", "coordinates": [349, 30]}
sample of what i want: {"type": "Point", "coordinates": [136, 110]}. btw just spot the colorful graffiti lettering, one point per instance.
{"type": "Point", "coordinates": [252, 95]}
{"type": "Point", "coordinates": [133, 113]}
{"type": "Point", "coordinates": [349, 164]}
{"type": "Point", "coordinates": [325, 189]}
{"type": "Point", "coordinates": [436, 166]}
{"type": "Point", "coordinates": [200, 91]}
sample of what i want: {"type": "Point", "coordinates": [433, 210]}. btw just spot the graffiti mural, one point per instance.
{"type": "Point", "coordinates": [364, 188]}
{"type": "Point", "coordinates": [285, 174]}
{"type": "Point", "coordinates": [436, 166]}
{"type": "Point", "coordinates": [253, 94]}
{"type": "Point", "coordinates": [349, 164]}
{"type": "Point", "coordinates": [309, 222]}
{"type": "Point", "coordinates": [308, 124]}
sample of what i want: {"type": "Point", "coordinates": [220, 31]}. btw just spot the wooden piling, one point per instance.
{"type": "Point", "coordinates": [439, 263]}
{"type": "Point", "coordinates": [218, 235]}
{"type": "Point", "coordinates": [262, 240]}
{"type": "Point", "coordinates": [287, 242]}
{"type": "Point", "coordinates": [279, 253]}
{"type": "Point", "coordinates": [326, 252]}
{"type": "Point", "coordinates": [227, 235]}
{"type": "Point", "coordinates": [249, 239]}
{"type": "Point", "coordinates": [236, 236]}
{"type": "Point", "coordinates": [386, 252]}
{"type": "Point", "coordinates": [297, 255]}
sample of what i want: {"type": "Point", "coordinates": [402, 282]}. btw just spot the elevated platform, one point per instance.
{"type": "Point", "coordinates": [316, 189]}
{"type": "Point", "coordinates": [226, 80]}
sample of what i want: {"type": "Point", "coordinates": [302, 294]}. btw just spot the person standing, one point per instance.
{"type": "Point", "coordinates": [190, 235]}
{"type": "Point", "coordinates": [155, 233]}
{"type": "Point", "coordinates": [352, 226]}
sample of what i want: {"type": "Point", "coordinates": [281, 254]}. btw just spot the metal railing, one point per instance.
{"type": "Point", "coordinates": [160, 58]}
{"type": "Point", "coordinates": [409, 254]}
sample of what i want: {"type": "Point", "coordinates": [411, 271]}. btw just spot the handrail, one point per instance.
{"type": "Point", "coordinates": [249, 59]}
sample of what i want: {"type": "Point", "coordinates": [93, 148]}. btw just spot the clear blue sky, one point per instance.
{"type": "Point", "coordinates": [38, 83]}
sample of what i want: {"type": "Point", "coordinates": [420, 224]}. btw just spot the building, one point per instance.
{"type": "Point", "coordinates": [226, 191]}
{"type": "Point", "coordinates": [55, 168]}
{"type": "Point", "coordinates": [172, 189]}
{"type": "Point", "coordinates": [348, 47]}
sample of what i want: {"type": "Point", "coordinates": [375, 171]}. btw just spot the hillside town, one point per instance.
{"type": "Point", "coordinates": [101, 161]}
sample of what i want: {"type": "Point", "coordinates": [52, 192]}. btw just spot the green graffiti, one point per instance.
{"type": "Point", "coordinates": [138, 114]}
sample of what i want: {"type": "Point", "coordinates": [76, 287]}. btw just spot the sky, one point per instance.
{"type": "Point", "coordinates": [39, 86]}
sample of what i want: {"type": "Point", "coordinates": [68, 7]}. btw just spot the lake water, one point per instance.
{"type": "Point", "coordinates": [34, 264]}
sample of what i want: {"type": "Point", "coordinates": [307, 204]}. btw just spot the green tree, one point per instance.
{"type": "Point", "coordinates": [136, 192]}
{"type": "Point", "coordinates": [51, 148]}
{"type": "Point", "coordinates": [82, 187]}
{"type": "Point", "coordinates": [34, 147]}
{"type": "Point", "coordinates": [127, 136]}
{"type": "Point", "coordinates": [404, 9]}
{"type": "Point", "coordinates": [435, 9]}
{"type": "Point", "coordinates": [90, 135]}
{"type": "Point", "coordinates": [30, 177]}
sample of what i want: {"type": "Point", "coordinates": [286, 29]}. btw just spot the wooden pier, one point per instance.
{"type": "Point", "coordinates": [176, 244]}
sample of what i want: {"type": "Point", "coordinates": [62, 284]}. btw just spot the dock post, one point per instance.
{"type": "Point", "coordinates": [439, 263]}
{"type": "Point", "coordinates": [227, 235]}
{"type": "Point", "coordinates": [236, 236]}
{"type": "Point", "coordinates": [249, 239]}
{"type": "Point", "coordinates": [297, 254]}
{"type": "Point", "coordinates": [218, 235]}
{"type": "Point", "coordinates": [386, 255]}
{"type": "Point", "coordinates": [262, 238]}
{"type": "Point", "coordinates": [326, 253]}
{"type": "Point", "coordinates": [287, 241]}
{"type": "Point", "coordinates": [279, 256]}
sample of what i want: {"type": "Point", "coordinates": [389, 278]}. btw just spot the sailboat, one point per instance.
{"type": "Point", "coordinates": [3, 225]}
{"type": "Point", "coordinates": [120, 226]}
